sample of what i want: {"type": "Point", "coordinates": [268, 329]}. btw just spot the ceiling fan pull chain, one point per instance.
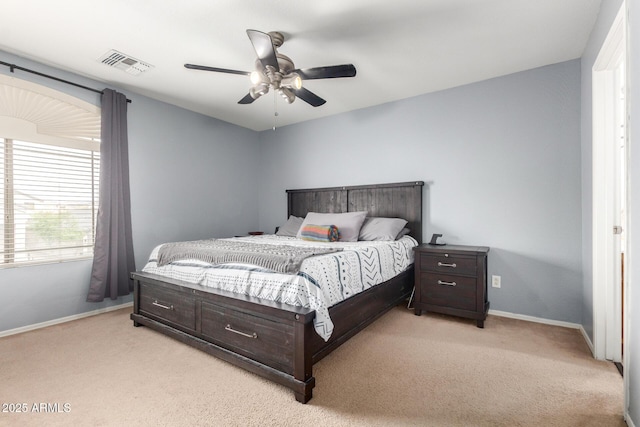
{"type": "Point", "coordinates": [275, 110]}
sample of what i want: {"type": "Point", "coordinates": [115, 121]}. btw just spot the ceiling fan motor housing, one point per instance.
{"type": "Point", "coordinates": [285, 63]}
{"type": "Point", "coordinates": [277, 38]}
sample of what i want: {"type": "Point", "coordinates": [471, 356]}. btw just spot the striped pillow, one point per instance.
{"type": "Point", "coordinates": [320, 233]}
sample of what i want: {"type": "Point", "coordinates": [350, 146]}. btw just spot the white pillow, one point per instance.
{"type": "Point", "coordinates": [348, 223]}
{"type": "Point", "coordinates": [376, 228]}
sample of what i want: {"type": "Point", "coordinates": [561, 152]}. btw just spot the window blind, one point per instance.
{"type": "Point", "coordinates": [49, 201]}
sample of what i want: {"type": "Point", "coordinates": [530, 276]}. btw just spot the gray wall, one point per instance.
{"type": "Point", "coordinates": [502, 162]}
{"type": "Point", "coordinates": [178, 159]}
{"type": "Point", "coordinates": [192, 176]}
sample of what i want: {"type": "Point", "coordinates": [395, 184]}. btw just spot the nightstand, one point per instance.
{"type": "Point", "coordinates": [452, 279]}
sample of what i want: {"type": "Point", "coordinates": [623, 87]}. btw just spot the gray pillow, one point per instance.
{"type": "Point", "coordinates": [291, 227]}
{"type": "Point", "coordinates": [376, 228]}
{"type": "Point", "coordinates": [403, 233]}
{"type": "Point", "coordinates": [348, 223]}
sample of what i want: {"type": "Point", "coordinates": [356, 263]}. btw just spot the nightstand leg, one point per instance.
{"type": "Point", "coordinates": [417, 312]}
{"type": "Point", "coordinates": [480, 323]}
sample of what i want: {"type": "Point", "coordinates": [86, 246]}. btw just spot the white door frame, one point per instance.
{"type": "Point", "coordinates": [607, 302]}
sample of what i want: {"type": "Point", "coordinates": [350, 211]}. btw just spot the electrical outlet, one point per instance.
{"type": "Point", "coordinates": [495, 281]}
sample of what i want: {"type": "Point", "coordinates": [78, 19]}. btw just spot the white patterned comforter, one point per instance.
{"type": "Point", "coordinates": [322, 281]}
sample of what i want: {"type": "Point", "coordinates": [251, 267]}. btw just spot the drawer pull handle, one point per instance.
{"type": "Point", "coordinates": [155, 302]}
{"type": "Point", "coordinates": [230, 329]}
{"type": "Point", "coordinates": [442, 264]}
{"type": "Point", "coordinates": [442, 282]}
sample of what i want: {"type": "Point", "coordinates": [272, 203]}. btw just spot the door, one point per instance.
{"type": "Point", "coordinates": [609, 185]}
{"type": "Point", "coordinates": [619, 147]}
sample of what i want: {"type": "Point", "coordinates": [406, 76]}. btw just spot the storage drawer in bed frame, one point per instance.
{"type": "Point", "coordinates": [254, 337]}
{"type": "Point", "coordinates": [176, 308]}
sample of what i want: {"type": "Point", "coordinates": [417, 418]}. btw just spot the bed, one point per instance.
{"type": "Point", "coordinates": [280, 341]}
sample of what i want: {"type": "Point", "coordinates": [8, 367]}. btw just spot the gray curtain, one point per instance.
{"type": "Point", "coordinates": [113, 253]}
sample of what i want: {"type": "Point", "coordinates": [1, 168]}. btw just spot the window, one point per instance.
{"type": "Point", "coordinates": [49, 201]}
{"type": "Point", "coordinates": [50, 168]}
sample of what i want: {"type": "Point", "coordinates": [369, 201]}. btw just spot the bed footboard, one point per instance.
{"type": "Point", "coordinates": [271, 340]}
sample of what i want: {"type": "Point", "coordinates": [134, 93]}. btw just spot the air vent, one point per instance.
{"type": "Point", "coordinates": [119, 60]}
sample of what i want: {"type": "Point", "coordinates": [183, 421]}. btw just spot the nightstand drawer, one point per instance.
{"type": "Point", "coordinates": [167, 305]}
{"type": "Point", "coordinates": [450, 291]}
{"type": "Point", "coordinates": [451, 264]}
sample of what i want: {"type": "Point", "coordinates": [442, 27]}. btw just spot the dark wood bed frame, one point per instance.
{"type": "Point", "coordinates": [278, 341]}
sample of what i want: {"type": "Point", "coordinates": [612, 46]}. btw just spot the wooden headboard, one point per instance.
{"type": "Point", "coordinates": [397, 200]}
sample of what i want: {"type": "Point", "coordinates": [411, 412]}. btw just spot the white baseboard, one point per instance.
{"type": "Point", "coordinates": [628, 420]}
{"type": "Point", "coordinates": [535, 319]}
{"type": "Point", "coordinates": [546, 322]}
{"type": "Point", "coordinates": [588, 341]}
{"type": "Point", "coordinates": [63, 320]}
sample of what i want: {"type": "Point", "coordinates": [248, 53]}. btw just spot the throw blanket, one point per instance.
{"type": "Point", "coordinates": [320, 233]}
{"type": "Point", "coordinates": [279, 258]}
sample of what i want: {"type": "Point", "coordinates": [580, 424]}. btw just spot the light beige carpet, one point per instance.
{"type": "Point", "coordinates": [402, 370]}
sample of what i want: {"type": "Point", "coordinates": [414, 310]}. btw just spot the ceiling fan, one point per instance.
{"type": "Point", "coordinates": [276, 71]}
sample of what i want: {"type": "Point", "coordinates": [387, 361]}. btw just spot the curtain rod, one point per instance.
{"type": "Point", "coordinates": [13, 67]}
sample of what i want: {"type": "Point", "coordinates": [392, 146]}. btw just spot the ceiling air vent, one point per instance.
{"type": "Point", "coordinates": [116, 59]}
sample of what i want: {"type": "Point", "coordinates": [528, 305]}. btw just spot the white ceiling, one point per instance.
{"type": "Point", "coordinates": [400, 48]}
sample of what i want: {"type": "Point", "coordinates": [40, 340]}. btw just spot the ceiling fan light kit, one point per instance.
{"type": "Point", "coordinates": [258, 90]}
{"type": "Point", "coordinates": [277, 71]}
{"type": "Point", "coordinates": [292, 80]}
{"type": "Point", "coordinates": [257, 77]}
{"type": "Point", "coordinates": [287, 94]}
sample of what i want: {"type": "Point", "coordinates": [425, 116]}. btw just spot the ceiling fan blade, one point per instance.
{"type": "Point", "coordinates": [330, 72]}
{"type": "Point", "coordinates": [263, 45]}
{"type": "Point", "coordinates": [218, 70]}
{"type": "Point", "coordinates": [309, 97]}
{"type": "Point", "coordinates": [248, 99]}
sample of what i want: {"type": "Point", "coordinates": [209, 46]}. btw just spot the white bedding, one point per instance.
{"type": "Point", "coordinates": [322, 281]}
